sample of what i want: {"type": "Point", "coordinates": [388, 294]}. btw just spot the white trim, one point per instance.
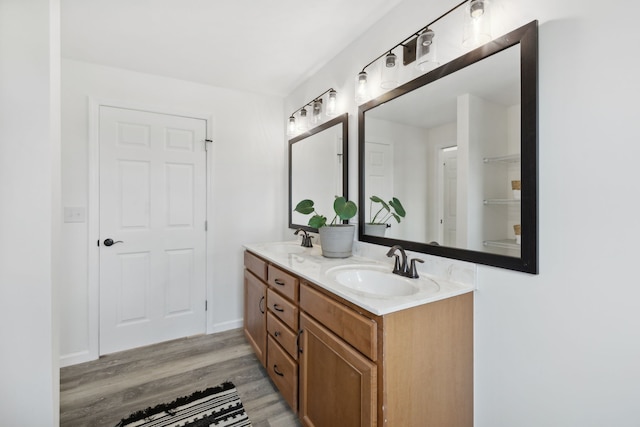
{"type": "Point", "coordinates": [226, 326]}
{"type": "Point", "coordinates": [93, 216]}
{"type": "Point", "coordinates": [75, 358]}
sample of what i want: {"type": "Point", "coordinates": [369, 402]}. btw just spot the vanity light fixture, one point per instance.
{"type": "Point", "coordinates": [303, 125]}
{"type": "Point", "coordinates": [331, 103]}
{"type": "Point", "coordinates": [291, 127]}
{"type": "Point", "coordinates": [477, 23]}
{"type": "Point", "coordinates": [362, 87]}
{"type": "Point", "coordinates": [426, 57]}
{"type": "Point", "coordinates": [312, 112]}
{"type": "Point", "coordinates": [389, 77]}
{"type": "Point", "coordinates": [420, 46]}
{"type": "Point", "coordinates": [316, 112]}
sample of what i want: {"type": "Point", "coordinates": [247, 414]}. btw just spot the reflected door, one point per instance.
{"type": "Point", "coordinates": [379, 167]}
{"type": "Point", "coordinates": [152, 205]}
{"type": "Point", "coordinates": [449, 196]}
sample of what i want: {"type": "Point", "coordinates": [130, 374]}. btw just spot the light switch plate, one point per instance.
{"type": "Point", "coordinates": [75, 214]}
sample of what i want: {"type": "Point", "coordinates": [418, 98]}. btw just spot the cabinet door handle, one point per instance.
{"type": "Point", "coordinates": [275, 369]}
{"type": "Point", "coordinates": [276, 334]}
{"type": "Point", "coordinates": [260, 307]}
{"type": "Point", "coordinates": [298, 341]}
{"type": "Point", "coordinates": [278, 282]}
{"type": "Point", "coordinates": [276, 307]}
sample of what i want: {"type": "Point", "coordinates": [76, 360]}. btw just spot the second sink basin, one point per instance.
{"type": "Point", "coordinates": [376, 281]}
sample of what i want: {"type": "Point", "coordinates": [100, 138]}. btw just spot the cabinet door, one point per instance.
{"type": "Point", "coordinates": [255, 317]}
{"type": "Point", "coordinates": [337, 384]}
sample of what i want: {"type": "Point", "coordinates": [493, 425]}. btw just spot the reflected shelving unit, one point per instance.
{"type": "Point", "coordinates": [512, 163]}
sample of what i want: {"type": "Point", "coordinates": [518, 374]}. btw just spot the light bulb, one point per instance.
{"type": "Point", "coordinates": [362, 88]}
{"type": "Point", "coordinates": [331, 103]}
{"type": "Point", "coordinates": [426, 51]}
{"type": "Point", "coordinates": [477, 24]}
{"type": "Point", "coordinates": [476, 9]}
{"type": "Point", "coordinates": [316, 112]}
{"type": "Point", "coordinates": [303, 125]}
{"type": "Point", "coordinates": [389, 76]}
{"type": "Point", "coordinates": [291, 127]}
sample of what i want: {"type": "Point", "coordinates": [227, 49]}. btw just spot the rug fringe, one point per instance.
{"type": "Point", "coordinates": [166, 407]}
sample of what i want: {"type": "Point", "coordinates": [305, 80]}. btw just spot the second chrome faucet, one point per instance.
{"type": "Point", "coordinates": [401, 266]}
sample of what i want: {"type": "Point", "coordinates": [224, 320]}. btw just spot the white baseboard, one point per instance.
{"type": "Point", "coordinates": [86, 356]}
{"type": "Point", "coordinates": [225, 326]}
{"type": "Point", "coordinates": [76, 358]}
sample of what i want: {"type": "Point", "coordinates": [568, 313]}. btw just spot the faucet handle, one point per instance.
{"type": "Point", "coordinates": [306, 241]}
{"type": "Point", "coordinates": [413, 272]}
{"type": "Point", "coordinates": [397, 267]}
{"type": "Point", "coordinates": [306, 238]}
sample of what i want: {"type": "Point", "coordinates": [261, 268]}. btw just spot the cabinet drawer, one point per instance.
{"type": "Point", "coordinates": [283, 309]}
{"type": "Point", "coordinates": [359, 331]}
{"type": "Point", "coordinates": [256, 265]}
{"type": "Point", "coordinates": [284, 283]}
{"type": "Point", "coordinates": [283, 370]}
{"type": "Point", "coordinates": [283, 335]}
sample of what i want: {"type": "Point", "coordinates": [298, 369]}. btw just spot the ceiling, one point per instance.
{"type": "Point", "coordinates": [264, 46]}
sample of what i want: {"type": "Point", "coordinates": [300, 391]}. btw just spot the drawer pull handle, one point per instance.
{"type": "Point", "coordinates": [276, 333]}
{"type": "Point", "coordinates": [260, 305]}
{"type": "Point", "coordinates": [275, 369]}
{"type": "Point", "coordinates": [298, 341]}
{"type": "Point", "coordinates": [276, 307]}
{"type": "Point", "coordinates": [279, 282]}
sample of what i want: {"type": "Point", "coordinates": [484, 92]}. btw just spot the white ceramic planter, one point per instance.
{"type": "Point", "coordinates": [375, 229]}
{"type": "Point", "coordinates": [336, 240]}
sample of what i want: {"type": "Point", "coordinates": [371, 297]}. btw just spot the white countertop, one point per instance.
{"type": "Point", "coordinates": [309, 264]}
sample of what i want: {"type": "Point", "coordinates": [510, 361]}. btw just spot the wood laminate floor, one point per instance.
{"type": "Point", "coordinates": [102, 392]}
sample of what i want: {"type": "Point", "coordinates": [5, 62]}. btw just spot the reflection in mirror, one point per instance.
{"type": "Point", "coordinates": [318, 169]}
{"type": "Point", "coordinates": [451, 145]}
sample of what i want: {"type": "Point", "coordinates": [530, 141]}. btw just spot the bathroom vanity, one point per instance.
{"type": "Point", "coordinates": [345, 349]}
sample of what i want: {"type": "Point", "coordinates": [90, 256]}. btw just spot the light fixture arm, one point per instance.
{"type": "Point", "coordinates": [310, 103]}
{"type": "Point", "coordinates": [416, 34]}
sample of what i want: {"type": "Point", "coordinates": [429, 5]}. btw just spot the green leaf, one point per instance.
{"type": "Point", "coordinates": [344, 209]}
{"type": "Point", "coordinates": [377, 199]}
{"type": "Point", "coordinates": [317, 221]}
{"type": "Point", "coordinates": [350, 210]}
{"type": "Point", "coordinates": [305, 207]}
{"type": "Point", "coordinates": [396, 217]}
{"type": "Point", "coordinates": [397, 206]}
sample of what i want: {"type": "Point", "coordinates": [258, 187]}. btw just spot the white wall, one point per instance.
{"type": "Point", "coordinates": [29, 211]}
{"type": "Point", "coordinates": [248, 186]}
{"type": "Point", "coordinates": [560, 348]}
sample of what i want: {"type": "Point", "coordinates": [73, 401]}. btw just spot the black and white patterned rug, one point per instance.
{"type": "Point", "coordinates": [216, 406]}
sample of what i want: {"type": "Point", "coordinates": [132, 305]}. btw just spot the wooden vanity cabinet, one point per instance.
{"type": "Point", "coordinates": [255, 305]}
{"type": "Point", "coordinates": [410, 368]}
{"type": "Point", "coordinates": [337, 364]}
{"type": "Point", "coordinates": [338, 385]}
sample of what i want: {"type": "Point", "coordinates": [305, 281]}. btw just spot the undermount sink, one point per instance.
{"type": "Point", "coordinates": [375, 281]}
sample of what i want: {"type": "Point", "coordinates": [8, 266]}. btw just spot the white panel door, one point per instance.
{"type": "Point", "coordinates": [153, 206]}
{"type": "Point", "coordinates": [379, 178]}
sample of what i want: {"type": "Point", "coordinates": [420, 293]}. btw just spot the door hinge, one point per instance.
{"type": "Point", "coordinates": [98, 243]}
{"type": "Point", "coordinates": [206, 305]}
{"type": "Point", "coordinates": [206, 225]}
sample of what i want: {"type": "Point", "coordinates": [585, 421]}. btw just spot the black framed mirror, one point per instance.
{"type": "Point", "coordinates": [458, 147]}
{"type": "Point", "coordinates": [318, 168]}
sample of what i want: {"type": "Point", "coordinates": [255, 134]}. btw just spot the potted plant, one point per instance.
{"type": "Point", "coordinates": [378, 222]}
{"type": "Point", "coordinates": [336, 239]}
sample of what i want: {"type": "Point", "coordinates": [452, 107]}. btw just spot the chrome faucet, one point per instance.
{"type": "Point", "coordinates": [306, 238]}
{"type": "Point", "coordinates": [401, 267]}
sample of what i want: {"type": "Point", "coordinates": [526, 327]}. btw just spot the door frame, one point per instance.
{"type": "Point", "coordinates": [93, 209]}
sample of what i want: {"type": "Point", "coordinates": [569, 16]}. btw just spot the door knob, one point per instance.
{"type": "Point", "coordinates": [110, 242]}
